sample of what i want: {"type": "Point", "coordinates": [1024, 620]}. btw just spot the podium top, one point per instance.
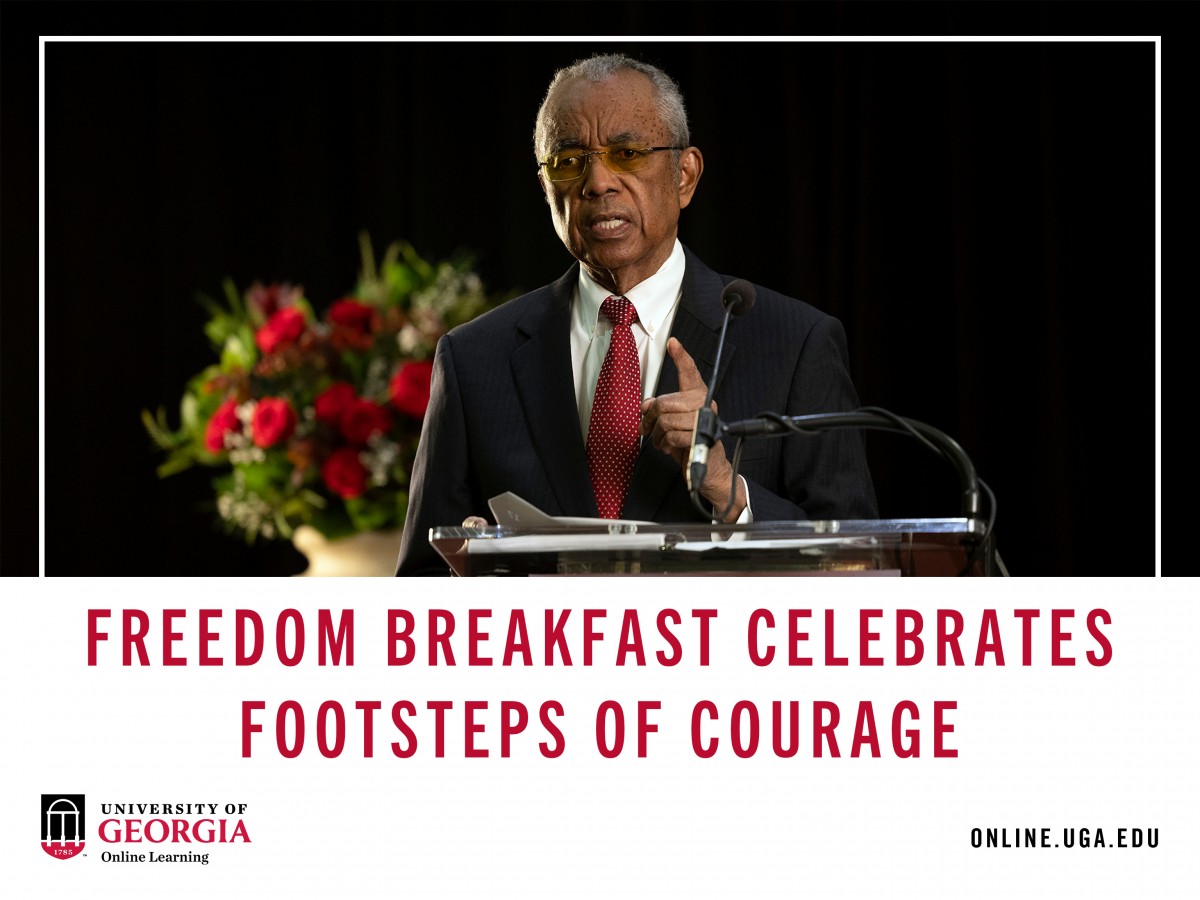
{"type": "Point", "coordinates": [957, 546]}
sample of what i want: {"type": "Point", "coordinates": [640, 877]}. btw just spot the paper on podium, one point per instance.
{"type": "Point", "coordinates": [511, 511]}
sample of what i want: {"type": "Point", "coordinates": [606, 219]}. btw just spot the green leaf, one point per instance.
{"type": "Point", "coordinates": [369, 514]}
{"type": "Point", "coordinates": [158, 429]}
{"type": "Point", "coordinates": [238, 351]}
{"type": "Point", "coordinates": [422, 268]}
{"type": "Point", "coordinates": [367, 252]}
{"type": "Point", "coordinates": [313, 499]}
{"type": "Point", "coordinates": [333, 522]}
{"type": "Point", "coordinates": [189, 411]}
{"type": "Point", "coordinates": [399, 281]}
{"type": "Point", "coordinates": [356, 368]}
{"type": "Point", "coordinates": [234, 298]}
{"type": "Point", "coordinates": [178, 461]}
{"type": "Point", "coordinates": [283, 526]}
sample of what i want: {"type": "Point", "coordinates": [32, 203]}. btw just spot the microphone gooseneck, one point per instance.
{"type": "Point", "coordinates": [771, 424]}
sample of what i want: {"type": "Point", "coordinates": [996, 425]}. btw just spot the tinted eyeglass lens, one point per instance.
{"type": "Point", "coordinates": [565, 165]}
{"type": "Point", "coordinates": [626, 159]}
{"type": "Point", "coordinates": [569, 164]}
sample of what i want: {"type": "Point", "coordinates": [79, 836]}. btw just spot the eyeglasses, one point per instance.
{"type": "Point", "coordinates": [569, 164]}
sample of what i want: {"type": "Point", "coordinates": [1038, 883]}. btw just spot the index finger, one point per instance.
{"type": "Point", "coordinates": [690, 378]}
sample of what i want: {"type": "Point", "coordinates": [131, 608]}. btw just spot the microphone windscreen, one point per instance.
{"type": "Point", "coordinates": [738, 297]}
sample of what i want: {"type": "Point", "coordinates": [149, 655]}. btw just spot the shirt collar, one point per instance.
{"type": "Point", "coordinates": [653, 298]}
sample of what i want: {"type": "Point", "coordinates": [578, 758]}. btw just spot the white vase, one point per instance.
{"type": "Point", "coordinates": [367, 553]}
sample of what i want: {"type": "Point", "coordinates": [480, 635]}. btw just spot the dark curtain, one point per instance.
{"type": "Point", "coordinates": [980, 215]}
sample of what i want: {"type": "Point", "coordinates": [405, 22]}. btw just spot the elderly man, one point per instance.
{"type": "Point", "coordinates": [581, 396]}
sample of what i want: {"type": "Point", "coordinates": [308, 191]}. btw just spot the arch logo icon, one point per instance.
{"type": "Point", "coordinates": [63, 820]}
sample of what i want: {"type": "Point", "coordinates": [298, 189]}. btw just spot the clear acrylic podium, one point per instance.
{"type": "Point", "coordinates": [898, 547]}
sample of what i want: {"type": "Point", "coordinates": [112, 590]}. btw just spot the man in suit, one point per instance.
{"type": "Point", "coordinates": [535, 396]}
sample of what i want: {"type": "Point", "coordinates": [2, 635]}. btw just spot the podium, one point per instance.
{"type": "Point", "coordinates": [875, 547]}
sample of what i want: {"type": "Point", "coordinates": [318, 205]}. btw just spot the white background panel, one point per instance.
{"type": "Point", "coordinates": [1039, 747]}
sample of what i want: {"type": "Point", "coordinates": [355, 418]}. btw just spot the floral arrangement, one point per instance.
{"type": "Point", "coordinates": [315, 419]}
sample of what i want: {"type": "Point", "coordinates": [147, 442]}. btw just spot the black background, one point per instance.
{"type": "Point", "coordinates": [979, 213]}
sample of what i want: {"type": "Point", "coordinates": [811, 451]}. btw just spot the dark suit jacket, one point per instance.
{"type": "Point", "coordinates": [503, 415]}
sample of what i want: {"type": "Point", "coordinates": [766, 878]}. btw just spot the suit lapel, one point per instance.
{"type": "Point", "coordinates": [548, 400]}
{"type": "Point", "coordinates": [697, 326]}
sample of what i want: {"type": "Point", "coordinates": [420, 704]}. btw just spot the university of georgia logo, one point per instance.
{"type": "Point", "coordinates": [62, 825]}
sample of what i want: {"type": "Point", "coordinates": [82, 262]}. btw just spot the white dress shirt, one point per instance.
{"type": "Point", "coordinates": [656, 300]}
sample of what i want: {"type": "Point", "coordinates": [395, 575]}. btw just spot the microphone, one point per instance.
{"type": "Point", "coordinates": [737, 298]}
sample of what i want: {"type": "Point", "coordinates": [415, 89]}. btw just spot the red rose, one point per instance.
{"type": "Point", "coordinates": [344, 473]}
{"type": "Point", "coordinates": [332, 402]}
{"type": "Point", "coordinates": [351, 314]}
{"type": "Point", "coordinates": [274, 420]}
{"type": "Point", "coordinates": [410, 388]}
{"type": "Point", "coordinates": [282, 328]}
{"type": "Point", "coordinates": [363, 418]}
{"type": "Point", "coordinates": [223, 420]}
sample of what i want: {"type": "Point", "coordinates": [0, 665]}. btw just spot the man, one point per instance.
{"type": "Point", "coordinates": [581, 397]}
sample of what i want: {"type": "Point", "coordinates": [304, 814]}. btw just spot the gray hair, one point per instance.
{"type": "Point", "coordinates": [671, 110]}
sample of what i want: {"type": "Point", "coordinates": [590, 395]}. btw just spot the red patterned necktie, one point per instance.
{"type": "Point", "coordinates": [612, 445]}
